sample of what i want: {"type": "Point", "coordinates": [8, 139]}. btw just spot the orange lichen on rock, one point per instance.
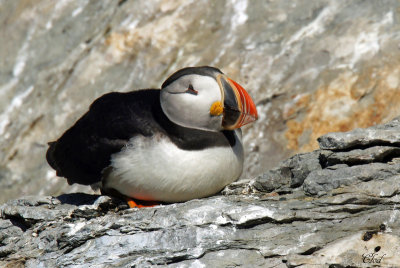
{"type": "Point", "coordinates": [158, 36]}
{"type": "Point", "coordinates": [300, 102]}
{"type": "Point", "coordinates": [121, 44]}
{"type": "Point", "coordinates": [347, 102]}
{"type": "Point", "coordinates": [295, 129]}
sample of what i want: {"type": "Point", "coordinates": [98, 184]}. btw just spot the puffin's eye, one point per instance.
{"type": "Point", "coordinates": [191, 90]}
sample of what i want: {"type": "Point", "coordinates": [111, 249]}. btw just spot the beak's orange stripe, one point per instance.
{"type": "Point", "coordinates": [246, 105]}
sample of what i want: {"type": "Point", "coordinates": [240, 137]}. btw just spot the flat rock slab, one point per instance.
{"type": "Point", "coordinates": [360, 156]}
{"type": "Point", "coordinates": [267, 229]}
{"type": "Point", "coordinates": [312, 67]}
{"type": "Point", "coordinates": [387, 134]}
{"type": "Point", "coordinates": [270, 231]}
{"type": "Point", "coordinates": [322, 181]}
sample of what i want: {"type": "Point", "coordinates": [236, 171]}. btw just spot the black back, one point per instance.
{"type": "Point", "coordinates": [84, 150]}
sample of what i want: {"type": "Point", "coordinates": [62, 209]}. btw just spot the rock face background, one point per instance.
{"type": "Point", "coordinates": [311, 66]}
{"type": "Point", "coordinates": [333, 207]}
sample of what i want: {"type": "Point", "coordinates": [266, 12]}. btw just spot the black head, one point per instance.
{"type": "Point", "coordinates": [201, 70]}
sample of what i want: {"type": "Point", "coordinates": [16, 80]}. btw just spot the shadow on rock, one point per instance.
{"type": "Point", "coordinates": [78, 199]}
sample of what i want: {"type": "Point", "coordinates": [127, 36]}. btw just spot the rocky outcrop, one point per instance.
{"type": "Point", "coordinates": [333, 207]}
{"type": "Point", "coordinates": [312, 67]}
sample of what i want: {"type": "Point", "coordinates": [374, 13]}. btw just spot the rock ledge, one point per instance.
{"type": "Point", "coordinates": [334, 206]}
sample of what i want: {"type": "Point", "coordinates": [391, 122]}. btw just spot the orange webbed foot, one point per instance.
{"type": "Point", "coordinates": [133, 203]}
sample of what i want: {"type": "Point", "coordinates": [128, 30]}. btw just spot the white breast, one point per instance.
{"type": "Point", "coordinates": [154, 168]}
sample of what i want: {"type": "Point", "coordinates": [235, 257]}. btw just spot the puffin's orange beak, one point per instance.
{"type": "Point", "coordinates": [239, 108]}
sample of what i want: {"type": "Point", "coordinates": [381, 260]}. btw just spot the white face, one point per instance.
{"type": "Point", "coordinates": [190, 109]}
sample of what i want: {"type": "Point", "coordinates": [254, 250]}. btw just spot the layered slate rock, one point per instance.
{"type": "Point", "coordinates": [312, 67]}
{"type": "Point", "coordinates": [334, 207]}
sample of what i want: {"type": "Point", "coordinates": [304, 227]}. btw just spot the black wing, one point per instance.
{"type": "Point", "coordinates": [85, 149]}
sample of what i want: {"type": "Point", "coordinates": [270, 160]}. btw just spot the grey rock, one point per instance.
{"type": "Point", "coordinates": [312, 67]}
{"type": "Point", "coordinates": [321, 181]}
{"type": "Point", "coordinates": [231, 258]}
{"type": "Point", "coordinates": [301, 165]}
{"type": "Point", "coordinates": [250, 230]}
{"type": "Point", "coordinates": [289, 174]}
{"type": "Point", "coordinates": [363, 137]}
{"type": "Point", "coordinates": [273, 179]}
{"type": "Point", "coordinates": [346, 164]}
{"type": "Point", "coordinates": [318, 216]}
{"type": "Point", "coordinates": [359, 156]}
{"type": "Point", "coordinates": [337, 166]}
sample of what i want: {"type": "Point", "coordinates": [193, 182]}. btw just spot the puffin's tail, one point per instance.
{"type": "Point", "coordinates": [51, 159]}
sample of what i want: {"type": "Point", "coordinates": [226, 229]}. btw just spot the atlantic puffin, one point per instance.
{"type": "Point", "coordinates": [173, 144]}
